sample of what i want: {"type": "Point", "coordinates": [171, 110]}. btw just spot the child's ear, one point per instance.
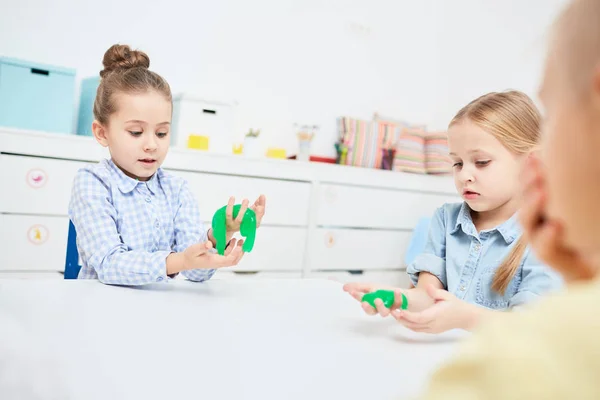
{"type": "Point", "coordinates": [100, 133]}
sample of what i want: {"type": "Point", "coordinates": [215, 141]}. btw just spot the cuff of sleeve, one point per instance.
{"type": "Point", "coordinates": [198, 275]}
{"type": "Point", "coordinates": [427, 263]}
{"type": "Point", "coordinates": [158, 266]}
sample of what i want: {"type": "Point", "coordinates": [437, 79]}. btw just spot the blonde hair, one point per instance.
{"type": "Point", "coordinates": [514, 120]}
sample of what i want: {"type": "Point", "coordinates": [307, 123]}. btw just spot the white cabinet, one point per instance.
{"type": "Point", "coordinates": [287, 201]}
{"type": "Point", "coordinates": [356, 249]}
{"type": "Point", "coordinates": [275, 249]}
{"type": "Point", "coordinates": [33, 243]}
{"type": "Point", "coordinates": [34, 185]}
{"type": "Point", "coordinates": [321, 221]}
{"type": "Point", "coordinates": [349, 206]}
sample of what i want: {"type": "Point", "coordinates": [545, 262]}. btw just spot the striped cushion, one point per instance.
{"type": "Point", "coordinates": [437, 160]}
{"type": "Point", "coordinates": [366, 140]}
{"type": "Point", "coordinates": [410, 151]}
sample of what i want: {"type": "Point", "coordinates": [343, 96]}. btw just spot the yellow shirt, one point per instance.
{"type": "Point", "coordinates": [551, 351]}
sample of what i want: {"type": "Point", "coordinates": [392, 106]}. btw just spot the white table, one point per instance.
{"type": "Point", "coordinates": [287, 339]}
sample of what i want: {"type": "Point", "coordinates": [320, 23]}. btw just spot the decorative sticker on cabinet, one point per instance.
{"type": "Point", "coordinates": [38, 234]}
{"type": "Point", "coordinates": [329, 240]}
{"type": "Point", "coordinates": [36, 178]}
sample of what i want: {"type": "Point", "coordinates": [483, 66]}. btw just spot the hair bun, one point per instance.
{"type": "Point", "coordinates": [120, 57]}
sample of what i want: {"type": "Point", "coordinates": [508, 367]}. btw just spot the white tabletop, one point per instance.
{"type": "Point", "coordinates": [287, 339]}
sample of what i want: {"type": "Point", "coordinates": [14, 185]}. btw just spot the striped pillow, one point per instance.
{"type": "Point", "coordinates": [410, 151]}
{"type": "Point", "coordinates": [366, 140]}
{"type": "Point", "coordinates": [437, 160]}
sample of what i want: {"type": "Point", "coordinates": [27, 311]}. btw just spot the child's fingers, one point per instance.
{"type": "Point", "coordinates": [421, 318]}
{"type": "Point", "coordinates": [367, 308]}
{"type": "Point", "coordinates": [357, 287]}
{"type": "Point", "coordinates": [357, 295]}
{"type": "Point", "coordinates": [198, 249]}
{"type": "Point", "coordinates": [397, 299]}
{"type": "Point", "coordinates": [229, 209]}
{"type": "Point", "coordinates": [242, 212]}
{"type": "Point", "coordinates": [381, 309]}
{"type": "Point", "coordinates": [230, 247]}
{"type": "Point", "coordinates": [416, 327]}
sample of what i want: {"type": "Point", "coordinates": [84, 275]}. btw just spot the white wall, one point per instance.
{"type": "Point", "coordinates": [306, 61]}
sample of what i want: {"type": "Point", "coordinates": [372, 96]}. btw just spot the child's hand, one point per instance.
{"type": "Point", "coordinates": [199, 256]}
{"type": "Point", "coordinates": [358, 290]}
{"type": "Point", "coordinates": [446, 313]}
{"type": "Point", "coordinates": [233, 224]}
{"type": "Point", "coordinates": [544, 235]}
{"type": "Point", "coordinates": [259, 208]}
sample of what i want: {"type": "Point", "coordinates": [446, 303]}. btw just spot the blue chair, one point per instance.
{"type": "Point", "coordinates": [72, 266]}
{"type": "Point", "coordinates": [418, 240]}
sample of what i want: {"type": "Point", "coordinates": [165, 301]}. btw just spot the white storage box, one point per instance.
{"type": "Point", "coordinates": [196, 116]}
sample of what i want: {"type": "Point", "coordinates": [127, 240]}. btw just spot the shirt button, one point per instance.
{"type": "Point", "coordinates": [462, 288]}
{"type": "Point", "coordinates": [477, 247]}
{"type": "Point", "coordinates": [156, 225]}
{"type": "Point", "coordinates": [160, 278]}
{"type": "Point", "coordinates": [148, 200]}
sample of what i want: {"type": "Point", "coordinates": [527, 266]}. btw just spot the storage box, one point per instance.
{"type": "Point", "coordinates": [195, 116]}
{"type": "Point", "coordinates": [36, 96]}
{"type": "Point", "coordinates": [89, 87]}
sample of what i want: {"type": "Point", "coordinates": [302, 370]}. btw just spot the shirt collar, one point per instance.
{"type": "Point", "coordinates": [126, 184]}
{"type": "Point", "coordinates": [509, 229]}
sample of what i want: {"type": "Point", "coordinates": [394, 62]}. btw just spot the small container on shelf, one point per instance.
{"type": "Point", "coordinates": [36, 96]}
{"type": "Point", "coordinates": [305, 136]}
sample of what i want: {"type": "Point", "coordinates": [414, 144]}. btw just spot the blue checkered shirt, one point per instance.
{"type": "Point", "coordinates": [127, 228]}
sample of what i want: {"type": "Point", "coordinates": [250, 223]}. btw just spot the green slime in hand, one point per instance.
{"type": "Point", "coordinates": [247, 228]}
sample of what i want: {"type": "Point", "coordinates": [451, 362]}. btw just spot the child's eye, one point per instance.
{"type": "Point", "coordinates": [135, 133]}
{"type": "Point", "coordinates": [457, 165]}
{"type": "Point", "coordinates": [162, 134]}
{"type": "Point", "coordinates": [482, 163]}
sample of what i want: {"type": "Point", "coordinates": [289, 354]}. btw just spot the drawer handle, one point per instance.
{"type": "Point", "coordinates": [205, 111]}
{"type": "Point", "coordinates": [38, 71]}
{"type": "Point", "coordinates": [356, 271]}
{"type": "Point", "coordinates": [246, 272]}
{"type": "Point", "coordinates": [38, 234]}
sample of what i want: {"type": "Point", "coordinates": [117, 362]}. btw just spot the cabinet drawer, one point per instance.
{"type": "Point", "coordinates": [356, 249]}
{"type": "Point", "coordinates": [347, 206]}
{"type": "Point", "coordinates": [32, 243]}
{"type": "Point", "coordinates": [287, 202]}
{"type": "Point", "coordinates": [276, 249]}
{"type": "Point", "coordinates": [388, 278]}
{"type": "Point", "coordinates": [36, 185]}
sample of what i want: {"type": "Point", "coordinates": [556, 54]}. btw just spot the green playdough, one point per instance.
{"type": "Point", "coordinates": [247, 228]}
{"type": "Point", "coordinates": [386, 296]}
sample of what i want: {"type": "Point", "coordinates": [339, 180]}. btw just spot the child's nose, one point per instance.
{"type": "Point", "coordinates": [150, 144]}
{"type": "Point", "coordinates": [466, 175]}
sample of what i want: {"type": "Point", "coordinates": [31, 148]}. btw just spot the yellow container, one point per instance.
{"type": "Point", "coordinates": [198, 142]}
{"type": "Point", "coordinates": [274, 152]}
{"type": "Point", "coordinates": [238, 148]}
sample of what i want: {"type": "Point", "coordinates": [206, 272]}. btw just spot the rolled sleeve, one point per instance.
{"type": "Point", "coordinates": [537, 280]}
{"type": "Point", "coordinates": [433, 258]}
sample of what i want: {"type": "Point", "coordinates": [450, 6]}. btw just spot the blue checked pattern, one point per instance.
{"type": "Point", "coordinates": [127, 228]}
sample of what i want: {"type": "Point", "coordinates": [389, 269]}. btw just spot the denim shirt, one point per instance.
{"type": "Point", "coordinates": [465, 261]}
